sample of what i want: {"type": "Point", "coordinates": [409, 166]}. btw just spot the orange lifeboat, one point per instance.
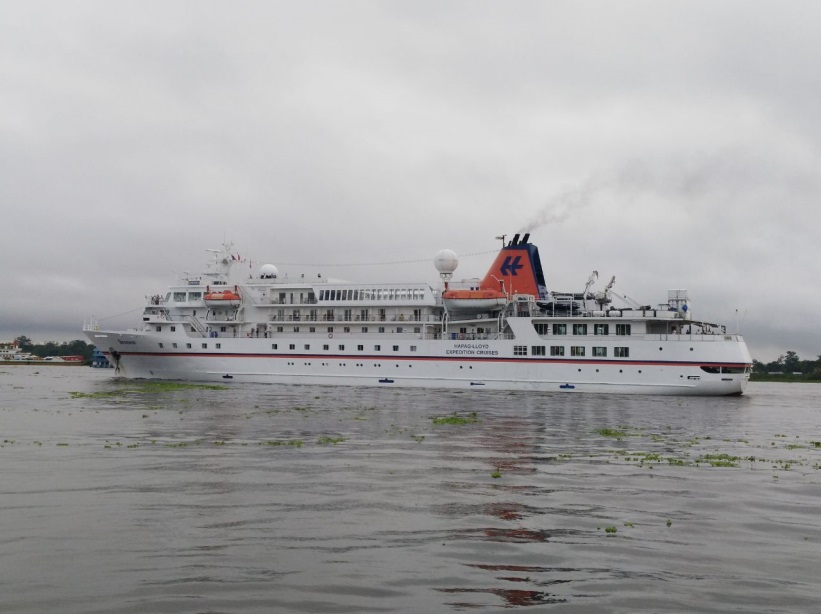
{"type": "Point", "coordinates": [474, 300]}
{"type": "Point", "coordinates": [226, 298]}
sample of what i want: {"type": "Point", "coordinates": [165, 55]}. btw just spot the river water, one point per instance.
{"type": "Point", "coordinates": [123, 496]}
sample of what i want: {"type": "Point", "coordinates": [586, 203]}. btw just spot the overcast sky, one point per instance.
{"type": "Point", "coordinates": [671, 144]}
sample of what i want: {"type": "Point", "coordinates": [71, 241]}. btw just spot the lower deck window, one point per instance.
{"type": "Point", "coordinates": [520, 350]}
{"type": "Point", "coordinates": [557, 350]}
{"type": "Point", "coordinates": [621, 352]}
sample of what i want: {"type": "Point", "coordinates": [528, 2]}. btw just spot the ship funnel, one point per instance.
{"type": "Point", "coordinates": [517, 269]}
{"type": "Point", "coordinates": [525, 238]}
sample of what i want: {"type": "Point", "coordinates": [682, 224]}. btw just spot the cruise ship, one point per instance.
{"type": "Point", "coordinates": [505, 331]}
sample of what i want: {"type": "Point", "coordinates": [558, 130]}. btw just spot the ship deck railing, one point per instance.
{"type": "Point", "coordinates": [352, 318]}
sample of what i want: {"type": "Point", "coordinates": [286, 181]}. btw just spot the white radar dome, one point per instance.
{"type": "Point", "coordinates": [268, 270]}
{"type": "Point", "coordinates": [446, 261]}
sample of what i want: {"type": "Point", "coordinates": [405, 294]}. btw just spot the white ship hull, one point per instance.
{"type": "Point", "coordinates": [454, 364]}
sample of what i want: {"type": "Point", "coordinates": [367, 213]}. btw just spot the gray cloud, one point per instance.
{"type": "Point", "coordinates": [671, 144]}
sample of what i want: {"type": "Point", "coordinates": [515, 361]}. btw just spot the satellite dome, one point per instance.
{"type": "Point", "coordinates": [446, 261]}
{"type": "Point", "coordinates": [268, 270]}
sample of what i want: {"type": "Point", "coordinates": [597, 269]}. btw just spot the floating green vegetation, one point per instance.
{"type": "Point", "coordinates": [719, 460]}
{"type": "Point", "coordinates": [325, 440]}
{"type": "Point", "coordinates": [676, 462]}
{"type": "Point", "coordinates": [669, 522]}
{"type": "Point", "coordinates": [145, 387]}
{"type": "Point", "coordinates": [608, 432]}
{"type": "Point", "coordinates": [629, 525]}
{"type": "Point", "coordinates": [297, 443]}
{"type": "Point", "coordinates": [794, 446]}
{"type": "Point", "coordinates": [496, 473]}
{"type": "Point", "coordinates": [816, 444]}
{"type": "Point", "coordinates": [455, 418]}
{"type": "Point", "coordinates": [62, 443]}
{"type": "Point", "coordinates": [646, 456]}
{"type": "Point", "coordinates": [418, 438]}
{"type": "Point", "coordinates": [611, 529]}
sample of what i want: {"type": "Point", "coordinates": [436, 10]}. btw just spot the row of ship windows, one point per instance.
{"type": "Point", "coordinates": [543, 328]}
{"type": "Point", "coordinates": [575, 350]}
{"type": "Point", "coordinates": [311, 329]}
{"type": "Point", "coordinates": [347, 329]}
{"type": "Point", "coordinates": [274, 346]}
{"type": "Point", "coordinates": [371, 294]}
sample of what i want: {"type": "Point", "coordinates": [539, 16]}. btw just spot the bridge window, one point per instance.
{"type": "Point", "coordinates": [560, 329]}
{"type": "Point", "coordinates": [622, 329]}
{"type": "Point", "coordinates": [580, 329]}
{"type": "Point", "coordinates": [601, 329]}
{"type": "Point", "coordinates": [542, 328]}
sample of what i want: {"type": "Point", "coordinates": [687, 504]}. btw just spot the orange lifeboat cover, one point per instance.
{"type": "Point", "coordinates": [222, 296]}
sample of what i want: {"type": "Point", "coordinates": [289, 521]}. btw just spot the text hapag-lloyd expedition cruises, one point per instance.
{"type": "Point", "coordinates": [472, 349]}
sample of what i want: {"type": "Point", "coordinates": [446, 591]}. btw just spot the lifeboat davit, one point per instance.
{"type": "Point", "coordinates": [226, 298]}
{"type": "Point", "coordinates": [474, 300]}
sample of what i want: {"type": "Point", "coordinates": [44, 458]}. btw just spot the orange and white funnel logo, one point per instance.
{"type": "Point", "coordinates": [517, 270]}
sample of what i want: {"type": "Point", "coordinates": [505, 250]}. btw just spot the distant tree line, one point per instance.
{"type": "Point", "coordinates": [789, 364]}
{"type": "Point", "coordinates": [51, 348]}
